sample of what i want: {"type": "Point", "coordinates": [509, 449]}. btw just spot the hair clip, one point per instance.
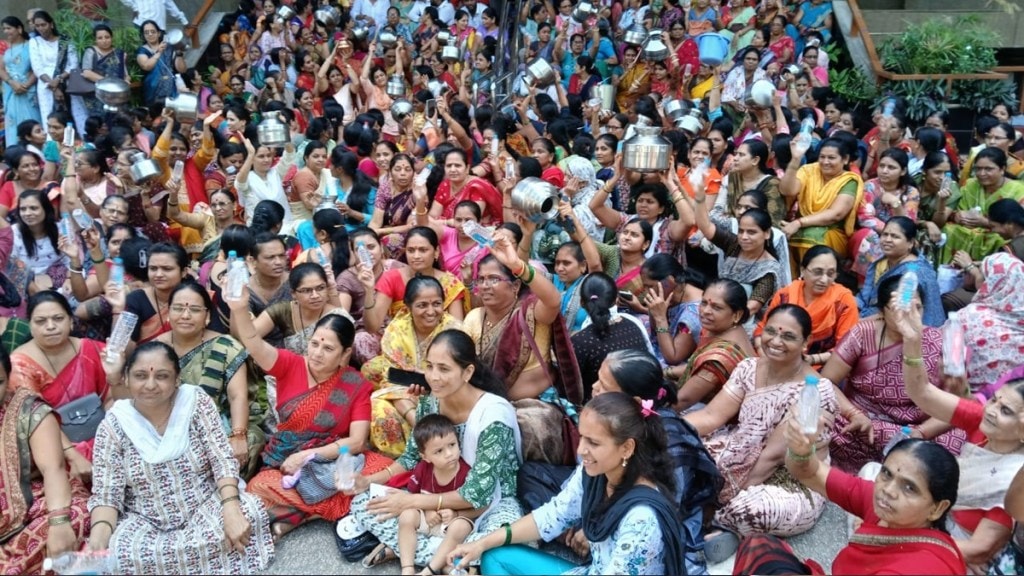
{"type": "Point", "coordinates": [662, 393]}
{"type": "Point", "coordinates": [647, 408]}
{"type": "Point", "coordinates": [593, 298]}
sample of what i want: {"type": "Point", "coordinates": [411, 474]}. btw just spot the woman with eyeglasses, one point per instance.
{"type": "Point", "coordinates": [160, 63]}
{"type": "Point", "coordinates": [217, 364]}
{"type": "Point", "coordinates": [832, 307]}
{"type": "Point", "coordinates": [966, 224]}
{"type": "Point", "coordinates": [759, 495]}
{"type": "Point", "coordinates": [1001, 136]}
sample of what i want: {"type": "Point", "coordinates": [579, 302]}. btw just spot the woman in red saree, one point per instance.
{"type": "Point", "coordinates": [31, 458]}
{"type": "Point", "coordinates": [59, 368]}
{"type": "Point", "coordinates": [323, 404]}
{"type": "Point", "coordinates": [904, 512]}
{"type": "Point", "coordinates": [458, 185]}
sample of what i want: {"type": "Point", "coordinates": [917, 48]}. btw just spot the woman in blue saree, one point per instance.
{"type": "Point", "coordinates": [160, 62]}
{"type": "Point", "coordinates": [102, 60]}
{"type": "Point", "coordinates": [18, 81]}
{"type": "Point", "coordinates": [899, 246]}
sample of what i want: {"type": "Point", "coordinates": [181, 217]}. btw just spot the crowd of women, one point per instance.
{"type": "Point", "coordinates": [621, 375]}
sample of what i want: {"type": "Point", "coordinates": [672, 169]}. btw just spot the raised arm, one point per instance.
{"type": "Point", "coordinates": [933, 401]}
{"type": "Point", "coordinates": [261, 352]}
{"type": "Point", "coordinates": [549, 298]}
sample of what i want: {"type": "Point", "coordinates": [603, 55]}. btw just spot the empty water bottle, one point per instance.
{"type": "Point", "coordinates": [84, 562]}
{"type": "Point", "coordinates": [947, 182]}
{"type": "Point", "coordinates": [888, 108]}
{"type": "Point", "coordinates": [954, 360]}
{"type": "Point", "coordinates": [238, 277]}
{"type": "Point", "coordinates": [494, 146]}
{"type": "Point", "coordinates": [900, 436]}
{"type": "Point", "coordinates": [121, 335]}
{"type": "Point", "coordinates": [510, 169]}
{"type": "Point", "coordinates": [82, 217]}
{"type": "Point", "coordinates": [344, 470]}
{"type": "Point", "coordinates": [809, 408]}
{"type": "Point", "coordinates": [456, 569]}
{"type": "Point", "coordinates": [905, 290]}
{"type": "Point", "coordinates": [481, 235]}
{"type": "Point", "coordinates": [365, 258]}
{"type": "Point", "coordinates": [69, 136]}
{"type": "Point", "coordinates": [117, 273]}
{"type": "Point", "coordinates": [62, 225]}
{"type": "Point", "coordinates": [178, 172]}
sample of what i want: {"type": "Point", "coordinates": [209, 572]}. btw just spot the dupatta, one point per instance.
{"type": "Point", "coordinates": [877, 550]}
{"type": "Point", "coordinates": [819, 195]}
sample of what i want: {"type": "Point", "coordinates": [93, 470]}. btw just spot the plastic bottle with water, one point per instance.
{"type": "Point", "coordinates": [805, 137]}
{"type": "Point", "coordinates": [238, 277]}
{"type": "Point", "coordinates": [63, 225]}
{"type": "Point", "coordinates": [82, 217]}
{"type": "Point", "coordinates": [905, 290]}
{"type": "Point", "coordinates": [456, 569]}
{"type": "Point", "coordinates": [903, 434]}
{"type": "Point", "coordinates": [117, 273]}
{"type": "Point", "coordinates": [120, 336]}
{"type": "Point", "coordinates": [179, 171]}
{"type": "Point", "coordinates": [365, 258]}
{"type": "Point", "coordinates": [84, 562]}
{"type": "Point", "coordinates": [510, 169]}
{"type": "Point", "coordinates": [954, 353]}
{"type": "Point", "coordinates": [344, 470]}
{"type": "Point", "coordinates": [809, 407]}
{"type": "Point", "coordinates": [480, 234]}
{"type": "Point", "coordinates": [888, 108]}
{"type": "Point", "coordinates": [947, 182]}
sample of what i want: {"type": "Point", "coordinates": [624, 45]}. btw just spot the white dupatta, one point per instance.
{"type": "Point", "coordinates": [154, 448]}
{"type": "Point", "coordinates": [489, 408]}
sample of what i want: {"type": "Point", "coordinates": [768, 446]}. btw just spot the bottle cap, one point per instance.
{"type": "Point", "coordinates": [118, 261]}
{"type": "Point", "coordinates": [343, 449]}
{"type": "Point", "coordinates": [232, 254]}
{"type": "Point", "coordinates": [811, 380]}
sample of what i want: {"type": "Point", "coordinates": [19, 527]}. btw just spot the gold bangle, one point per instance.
{"type": "Point", "coordinates": [423, 213]}
{"type": "Point", "coordinates": [800, 457]}
{"type": "Point", "coordinates": [58, 520]}
{"type": "Point", "coordinates": [919, 361]}
{"type": "Point", "coordinates": [390, 474]}
{"type": "Point", "coordinates": [440, 498]}
{"type": "Point", "coordinates": [372, 304]}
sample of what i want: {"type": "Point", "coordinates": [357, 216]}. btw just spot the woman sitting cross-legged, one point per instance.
{"type": "Point", "coordinates": [904, 512]}
{"type": "Point", "coordinates": [323, 404]}
{"type": "Point", "coordinates": [165, 494]}
{"type": "Point", "coordinates": [622, 493]}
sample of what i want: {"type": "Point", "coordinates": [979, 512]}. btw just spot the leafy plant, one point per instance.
{"type": "Point", "coordinates": [853, 85]}
{"type": "Point", "coordinates": [983, 95]}
{"type": "Point", "coordinates": [78, 29]}
{"type": "Point", "coordinates": [941, 46]}
{"type": "Point", "coordinates": [923, 97]}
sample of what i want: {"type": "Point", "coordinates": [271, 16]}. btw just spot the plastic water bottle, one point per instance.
{"type": "Point", "coordinates": [117, 273]}
{"type": "Point", "coordinates": [344, 470]}
{"type": "Point", "coordinates": [947, 181]}
{"type": "Point", "coordinates": [69, 136]}
{"type": "Point", "coordinates": [809, 408]}
{"type": "Point", "coordinates": [510, 169]}
{"type": "Point", "coordinates": [456, 569]}
{"type": "Point", "coordinates": [320, 256]}
{"type": "Point", "coordinates": [120, 335]}
{"type": "Point", "coordinates": [494, 146]}
{"type": "Point", "coordinates": [82, 217]}
{"type": "Point", "coordinates": [84, 562]}
{"type": "Point", "coordinates": [954, 357]}
{"type": "Point", "coordinates": [179, 171]}
{"type": "Point", "coordinates": [238, 277]}
{"type": "Point", "coordinates": [896, 439]}
{"type": "Point", "coordinates": [806, 130]}
{"type": "Point", "coordinates": [888, 108]}
{"type": "Point", "coordinates": [365, 258]}
{"type": "Point", "coordinates": [481, 235]}
{"type": "Point", "coordinates": [905, 290]}
{"type": "Point", "coordinates": [62, 225]}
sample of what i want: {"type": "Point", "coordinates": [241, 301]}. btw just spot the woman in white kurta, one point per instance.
{"type": "Point", "coordinates": [45, 56]}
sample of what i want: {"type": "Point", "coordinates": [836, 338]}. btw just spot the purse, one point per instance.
{"type": "Point", "coordinates": [78, 85]}
{"type": "Point", "coordinates": [80, 418]}
{"type": "Point", "coordinates": [316, 483]}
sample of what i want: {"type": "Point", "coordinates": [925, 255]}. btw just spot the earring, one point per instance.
{"type": "Point", "coordinates": [624, 462]}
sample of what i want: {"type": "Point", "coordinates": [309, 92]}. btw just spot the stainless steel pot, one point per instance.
{"type": "Point", "coordinates": [647, 151]}
{"type": "Point", "coordinates": [175, 38]}
{"type": "Point", "coordinates": [606, 92]}
{"type": "Point", "coordinates": [360, 30]}
{"type": "Point", "coordinates": [690, 123]}
{"type": "Point", "coordinates": [185, 106]}
{"type": "Point", "coordinates": [584, 11]}
{"type": "Point", "coordinates": [113, 92]}
{"type": "Point", "coordinates": [387, 38]}
{"type": "Point", "coordinates": [451, 54]}
{"type": "Point", "coordinates": [273, 133]}
{"type": "Point", "coordinates": [654, 49]}
{"type": "Point", "coordinates": [636, 35]}
{"type": "Point", "coordinates": [285, 13]}
{"type": "Point", "coordinates": [395, 86]}
{"type": "Point", "coordinates": [537, 199]}
{"type": "Point", "coordinates": [674, 109]}
{"type": "Point", "coordinates": [444, 37]}
{"type": "Point", "coordinates": [540, 73]}
{"type": "Point", "coordinates": [328, 16]}
{"type": "Point", "coordinates": [143, 169]}
{"type": "Point", "coordinates": [438, 87]}
{"type": "Point", "coordinates": [400, 109]}
{"type": "Point", "coordinates": [760, 94]}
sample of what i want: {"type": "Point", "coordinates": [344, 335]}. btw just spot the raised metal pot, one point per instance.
{"type": "Point", "coordinates": [143, 169]}
{"type": "Point", "coordinates": [273, 133]}
{"type": "Point", "coordinates": [674, 109]}
{"type": "Point", "coordinates": [113, 92]}
{"type": "Point", "coordinates": [360, 30]}
{"type": "Point", "coordinates": [654, 49]}
{"type": "Point", "coordinates": [175, 38]}
{"type": "Point", "coordinates": [328, 16]}
{"type": "Point", "coordinates": [540, 73]}
{"type": "Point", "coordinates": [285, 13]}
{"type": "Point", "coordinates": [444, 37]}
{"type": "Point", "coordinates": [185, 106]}
{"type": "Point", "coordinates": [636, 35]}
{"type": "Point", "coordinates": [400, 109]}
{"type": "Point", "coordinates": [395, 86]}
{"type": "Point", "coordinates": [387, 38]}
{"type": "Point", "coordinates": [647, 151]}
{"type": "Point", "coordinates": [451, 54]}
{"type": "Point", "coordinates": [584, 11]}
{"type": "Point", "coordinates": [537, 199]}
{"type": "Point", "coordinates": [438, 87]}
{"type": "Point", "coordinates": [760, 94]}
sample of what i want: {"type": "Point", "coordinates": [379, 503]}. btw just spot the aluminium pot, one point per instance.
{"type": "Point", "coordinates": [400, 109]}
{"type": "Point", "coordinates": [438, 87]}
{"type": "Point", "coordinates": [387, 38]}
{"type": "Point", "coordinates": [273, 133]}
{"type": "Point", "coordinates": [636, 34]}
{"type": "Point", "coordinates": [674, 109]}
{"type": "Point", "coordinates": [113, 92]}
{"type": "Point", "coordinates": [537, 199]}
{"type": "Point", "coordinates": [143, 169]}
{"type": "Point", "coordinates": [654, 49]}
{"type": "Point", "coordinates": [647, 151]}
{"type": "Point", "coordinates": [584, 11]}
{"type": "Point", "coordinates": [444, 37]}
{"type": "Point", "coordinates": [360, 30]}
{"type": "Point", "coordinates": [185, 106]}
{"type": "Point", "coordinates": [395, 86]}
{"type": "Point", "coordinates": [285, 13]}
{"type": "Point", "coordinates": [175, 38]}
{"type": "Point", "coordinates": [451, 54]}
{"type": "Point", "coordinates": [329, 16]}
{"type": "Point", "coordinates": [540, 73]}
{"type": "Point", "coordinates": [760, 95]}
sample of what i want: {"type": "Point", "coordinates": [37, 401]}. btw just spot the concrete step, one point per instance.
{"type": "Point", "coordinates": [207, 31]}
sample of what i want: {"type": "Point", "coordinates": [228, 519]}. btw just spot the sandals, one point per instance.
{"type": "Point", "coordinates": [720, 546]}
{"type": "Point", "coordinates": [379, 555]}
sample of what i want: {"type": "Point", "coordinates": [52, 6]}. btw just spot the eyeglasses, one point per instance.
{"type": "Point", "coordinates": [307, 291]}
{"type": "Point", "coordinates": [192, 310]}
{"type": "Point", "coordinates": [490, 281]}
{"type": "Point", "coordinates": [220, 205]}
{"type": "Point", "coordinates": [819, 272]}
{"type": "Point", "coordinates": [613, 127]}
{"type": "Point", "coordinates": [787, 337]}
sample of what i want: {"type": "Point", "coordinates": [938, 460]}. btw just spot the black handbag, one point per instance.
{"type": "Point", "coordinates": [80, 418]}
{"type": "Point", "coordinates": [78, 85]}
{"type": "Point", "coordinates": [355, 549]}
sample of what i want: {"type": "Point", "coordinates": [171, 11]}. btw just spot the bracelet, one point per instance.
{"type": "Point", "coordinates": [98, 522]}
{"type": "Point", "coordinates": [58, 520]}
{"type": "Point", "coordinates": [533, 272]}
{"type": "Point", "coordinates": [521, 270]}
{"type": "Point", "coordinates": [919, 361]}
{"type": "Point", "coordinates": [800, 457]}
{"type": "Point", "coordinates": [235, 432]}
{"type": "Point", "coordinates": [390, 474]}
{"type": "Point", "coordinates": [440, 498]}
{"type": "Point", "coordinates": [508, 533]}
{"type": "Point", "coordinates": [667, 373]}
{"type": "Point", "coordinates": [169, 203]}
{"type": "Point", "coordinates": [230, 499]}
{"type": "Point", "coordinates": [423, 213]}
{"type": "Point", "coordinates": [374, 303]}
{"type": "Point", "coordinates": [79, 271]}
{"type": "Point", "coordinates": [661, 330]}
{"type": "Point", "coordinates": [69, 447]}
{"type": "Point", "coordinates": [95, 261]}
{"type": "Point", "coordinates": [57, 511]}
{"type": "Point", "coordinates": [970, 267]}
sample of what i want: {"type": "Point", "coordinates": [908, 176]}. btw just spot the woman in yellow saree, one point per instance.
{"type": "Point", "coordinates": [404, 347]}
{"type": "Point", "coordinates": [827, 196]}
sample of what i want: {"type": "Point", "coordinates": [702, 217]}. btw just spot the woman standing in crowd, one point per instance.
{"type": "Point", "coordinates": [102, 60]}
{"type": "Point", "coordinates": [160, 62]}
{"type": "Point", "coordinates": [19, 91]}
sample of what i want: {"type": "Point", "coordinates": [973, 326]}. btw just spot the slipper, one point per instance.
{"type": "Point", "coordinates": [721, 546]}
{"type": "Point", "coordinates": [379, 555]}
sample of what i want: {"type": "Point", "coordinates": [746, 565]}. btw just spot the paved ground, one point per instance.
{"type": "Point", "coordinates": [310, 549]}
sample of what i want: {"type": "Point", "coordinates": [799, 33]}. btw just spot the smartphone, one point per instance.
{"type": "Point", "coordinates": [627, 296]}
{"type": "Point", "coordinates": [430, 109]}
{"type": "Point", "coordinates": [407, 378]}
{"type": "Point", "coordinates": [377, 490]}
